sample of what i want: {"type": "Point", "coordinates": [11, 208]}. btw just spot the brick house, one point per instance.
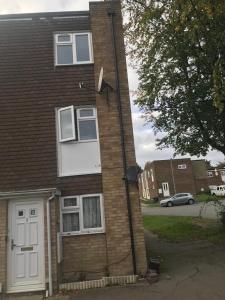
{"type": "Point", "coordinates": [67, 211]}
{"type": "Point", "coordinates": [164, 178]}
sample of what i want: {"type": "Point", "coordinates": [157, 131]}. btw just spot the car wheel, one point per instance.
{"type": "Point", "coordinates": [170, 204]}
{"type": "Point", "coordinates": [191, 201]}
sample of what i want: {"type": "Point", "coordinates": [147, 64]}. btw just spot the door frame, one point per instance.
{"type": "Point", "coordinates": [31, 287]}
{"type": "Point", "coordinates": [168, 190]}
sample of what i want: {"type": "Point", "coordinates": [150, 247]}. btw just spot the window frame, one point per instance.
{"type": "Point", "coordinates": [210, 174]}
{"type": "Point", "coordinates": [73, 43]}
{"type": "Point", "coordinates": [182, 167]}
{"type": "Point", "coordinates": [79, 209]}
{"type": "Point", "coordinates": [222, 173]}
{"type": "Point", "coordinates": [92, 118]}
{"type": "Point", "coordinates": [74, 135]}
{"type": "Point", "coordinates": [75, 124]}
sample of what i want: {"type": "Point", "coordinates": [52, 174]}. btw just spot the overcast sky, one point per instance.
{"type": "Point", "coordinates": [143, 134]}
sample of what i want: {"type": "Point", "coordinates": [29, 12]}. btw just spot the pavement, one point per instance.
{"type": "Point", "coordinates": [189, 271]}
{"type": "Point", "coordinates": [206, 210]}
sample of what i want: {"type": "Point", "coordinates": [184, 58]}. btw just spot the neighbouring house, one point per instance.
{"type": "Point", "coordinates": [67, 210]}
{"type": "Point", "coordinates": [164, 178]}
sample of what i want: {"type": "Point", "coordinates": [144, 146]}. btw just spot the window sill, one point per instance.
{"type": "Point", "coordinates": [77, 64]}
{"type": "Point", "coordinates": [79, 174]}
{"type": "Point", "coordinates": [82, 233]}
{"type": "Point", "coordinates": [78, 141]}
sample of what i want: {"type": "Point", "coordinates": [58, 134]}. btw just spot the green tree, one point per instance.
{"type": "Point", "coordinates": [179, 49]}
{"type": "Point", "coordinates": [208, 164]}
{"type": "Point", "coordinates": [220, 165]}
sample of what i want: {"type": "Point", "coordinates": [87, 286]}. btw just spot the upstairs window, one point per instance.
{"type": "Point", "coordinates": [182, 167]}
{"type": "Point", "coordinates": [86, 124]}
{"type": "Point", "coordinates": [222, 173]}
{"type": "Point", "coordinates": [73, 48]}
{"type": "Point", "coordinates": [66, 124]}
{"type": "Point", "coordinates": [210, 173]}
{"type": "Point", "coordinates": [77, 124]}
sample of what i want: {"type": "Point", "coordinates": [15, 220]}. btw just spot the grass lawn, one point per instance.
{"type": "Point", "coordinates": [150, 203]}
{"type": "Point", "coordinates": [181, 229]}
{"type": "Point", "coordinates": [206, 198]}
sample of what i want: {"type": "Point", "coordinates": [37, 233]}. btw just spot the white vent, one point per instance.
{"type": "Point", "coordinates": [105, 281]}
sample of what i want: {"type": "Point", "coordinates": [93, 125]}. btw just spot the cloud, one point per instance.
{"type": "Point", "coordinates": [28, 6]}
{"type": "Point", "coordinates": [144, 138]}
{"type": "Point", "coordinates": [145, 143]}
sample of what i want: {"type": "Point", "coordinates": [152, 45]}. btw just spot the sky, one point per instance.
{"type": "Point", "coordinates": [143, 133]}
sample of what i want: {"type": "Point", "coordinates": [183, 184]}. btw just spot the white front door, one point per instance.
{"type": "Point", "coordinates": [26, 246]}
{"type": "Point", "coordinates": [165, 188]}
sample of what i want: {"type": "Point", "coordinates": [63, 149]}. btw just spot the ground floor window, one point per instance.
{"type": "Point", "coordinates": [82, 214]}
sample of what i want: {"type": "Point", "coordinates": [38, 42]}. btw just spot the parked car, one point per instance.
{"type": "Point", "coordinates": [177, 199]}
{"type": "Point", "coordinates": [217, 190]}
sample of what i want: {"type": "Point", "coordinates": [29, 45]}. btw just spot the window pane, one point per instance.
{"type": "Point", "coordinates": [64, 38]}
{"type": "Point", "coordinates": [64, 54]}
{"type": "Point", "coordinates": [71, 222]}
{"type": "Point", "coordinates": [66, 124]}
{"type": "Point", "coordinates": [70, 202]}
{"type": "Point", "coordinates": [86, 113]}
{"type": "Point", "coordinates": [87, 130]}
{"type": "Point", "coordinates": [91, 212]}
{"type": "Point", "coordinates": [82, 47]}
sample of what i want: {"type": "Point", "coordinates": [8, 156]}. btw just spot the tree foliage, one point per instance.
{"type": "Point", "coordinates": [220, 165]}
{"type": "Point", "coordinates": [179, 49]}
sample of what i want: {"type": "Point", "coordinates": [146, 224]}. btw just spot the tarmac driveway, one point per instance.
{"type": "Point", "coordinates": [207, 210]}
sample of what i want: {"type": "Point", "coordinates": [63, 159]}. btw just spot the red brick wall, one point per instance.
{"type": "Point", "coordinates": [116, 214]}
{"type": "Point", "coordinates": [31, 88]}
{"type": "Point", "coordinates": [165, 170]}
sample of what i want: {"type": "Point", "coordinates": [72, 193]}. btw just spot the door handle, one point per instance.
{"type": "Point", "coordinates": [12, 244]}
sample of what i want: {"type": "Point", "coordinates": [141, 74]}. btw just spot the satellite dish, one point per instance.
{"type": "Point", "coordinates": [100, 81]}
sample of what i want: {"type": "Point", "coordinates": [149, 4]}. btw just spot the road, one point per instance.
{"type": "Point", "coordinates": [208, 210]}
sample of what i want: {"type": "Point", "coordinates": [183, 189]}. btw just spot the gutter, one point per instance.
{"type": "Point", "coordinates": [26, 192]}
{"type": "Point", "coordinates": [111, 13]}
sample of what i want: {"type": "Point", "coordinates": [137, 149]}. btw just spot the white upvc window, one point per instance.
{"type": "Point", "coordinates": [86, 124]}
{"type": "Point", "coordinates": [210, 173]}
{"type": "Point", "coordinates": [222, 173]}
{"type": "Point", "coordinates": [182, 167]}
{"type": "Point", "coordinates": [152, 175]}
{"type": "Point", "coordinates": [82, 214]}
{"type": "Point", "coordinates": [66, 124]}
{"type": "Point", "coordinates": [73, 48]}
{"type": "Point", "coordinates": [77, 124]}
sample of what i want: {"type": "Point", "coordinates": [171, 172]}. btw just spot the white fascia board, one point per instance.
{"type": "Point", "coordinates": [11, 194]}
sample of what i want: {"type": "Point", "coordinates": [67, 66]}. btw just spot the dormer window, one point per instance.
{"type": "Point", "coordinates": [73, 48]}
